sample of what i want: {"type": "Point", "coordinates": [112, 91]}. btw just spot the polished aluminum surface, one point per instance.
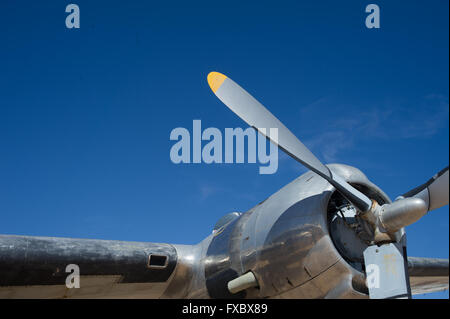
{"type": "Point", "coordinates": [285, 241]}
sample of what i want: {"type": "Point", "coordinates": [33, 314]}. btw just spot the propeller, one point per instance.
{"type": "Point", "coordinates": [386, 265]}
{"type": "Point", "coordinates": [257, 116]}
{"type": "Point", "coordinates": [386, 257]}
{"type": "Point", "coordinates": [434, 192]}
{"type": "Point", "coordinates": [413, 205]}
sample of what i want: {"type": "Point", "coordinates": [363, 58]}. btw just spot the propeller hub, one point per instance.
{"type": "Point", "coordinates": [388, 219]}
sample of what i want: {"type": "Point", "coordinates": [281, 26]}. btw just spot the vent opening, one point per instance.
{"type": "Point", "coordinates": [157, 261]}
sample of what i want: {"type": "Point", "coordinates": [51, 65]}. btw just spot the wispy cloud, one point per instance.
{"type": "Point", "coordinates": [433, 115]}
{"type": "Point", "coordinates": [207, 190]}
{"type": "Point", "coordinates": [390, 121]}
{"type": "Point", "coordinates": [330, 144]}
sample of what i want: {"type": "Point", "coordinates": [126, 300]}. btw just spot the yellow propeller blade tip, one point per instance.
{"type": "Point", "coordinates": [215, 80]}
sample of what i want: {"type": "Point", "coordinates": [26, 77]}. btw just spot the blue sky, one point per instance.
{"type": "Point", "coordinates": [85, 115]}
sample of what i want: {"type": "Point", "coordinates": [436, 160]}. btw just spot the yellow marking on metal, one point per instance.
{"type": "Point", "coordinates": [215, 80]}
{"type": "Point", "coordinates": [219, 231]}
{"type": "Point", "coordinates": [389, 261]}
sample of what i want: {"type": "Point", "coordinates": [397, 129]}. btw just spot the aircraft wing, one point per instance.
{"type": "Point", "coordinates": [427, 274]}
{"type": "Point", "coordinates": [35, 267]}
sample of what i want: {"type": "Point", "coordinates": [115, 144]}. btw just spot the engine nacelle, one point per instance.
{"type": "Point", "coordinates": [285, 242]}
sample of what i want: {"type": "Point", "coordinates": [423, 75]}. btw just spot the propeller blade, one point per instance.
{"type": "Point", "coordinates": [387, 271]}
{"type": "Point", "coordinates": [257, 116]}
{"type": "Point", "coordinates": [434, 192]}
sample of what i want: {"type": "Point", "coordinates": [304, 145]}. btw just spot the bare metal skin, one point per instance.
{"type": "Point", "coordinates": [284, 241]}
